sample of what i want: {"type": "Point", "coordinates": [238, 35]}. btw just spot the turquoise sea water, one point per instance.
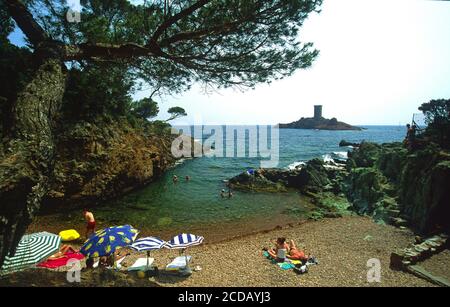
{"type": "Point", "coordinates": [166, 207]}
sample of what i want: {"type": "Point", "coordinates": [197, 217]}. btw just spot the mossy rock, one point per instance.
{"type": "Point", "coordinates": [364, 156]}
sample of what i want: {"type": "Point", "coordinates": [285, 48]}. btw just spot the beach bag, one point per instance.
{"type": "Point", "coordinates": [301, 269]}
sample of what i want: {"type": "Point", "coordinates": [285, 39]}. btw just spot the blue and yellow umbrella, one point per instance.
{"type": "Point", "coordinates": [105, 242]}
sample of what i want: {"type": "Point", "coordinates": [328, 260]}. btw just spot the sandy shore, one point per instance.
{"type": "Point", "coordinates": [342, 245]}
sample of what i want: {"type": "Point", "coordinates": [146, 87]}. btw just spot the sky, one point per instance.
{"type": "Point", "coordinates": [379, 60]}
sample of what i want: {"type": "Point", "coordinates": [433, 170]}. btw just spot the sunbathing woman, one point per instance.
{"type": "Point", "coordinates": [279, 252]}
{"type": "Point", "coordinates": [295, 253]}
{"type": "Point", "coordinates": [62, 251]}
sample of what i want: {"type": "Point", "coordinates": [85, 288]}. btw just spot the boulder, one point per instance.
{"type": "Point", "coordinates": [344, 143]}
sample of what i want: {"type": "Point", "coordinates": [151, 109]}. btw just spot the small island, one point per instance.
{"type": "Point", "coordinates": [319, 122]}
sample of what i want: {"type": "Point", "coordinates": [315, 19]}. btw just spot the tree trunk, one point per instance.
{"type": "Point", "coordinates": [27, 157]}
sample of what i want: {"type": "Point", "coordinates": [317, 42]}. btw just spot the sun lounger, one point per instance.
{"type": "Point", "coordinates": [141, 264]}
{"type": "Point", "coordinates": [178, 263]}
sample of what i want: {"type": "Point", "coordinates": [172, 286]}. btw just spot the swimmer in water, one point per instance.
{"type": "Point", "coordinates": [175, 178]}
{"type": "Point", "coordinates": [222, 193]}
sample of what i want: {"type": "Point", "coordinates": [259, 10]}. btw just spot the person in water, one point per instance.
{"type": "Point", "coordinates": [90, 220]}
{"type": "Point", "coordinates": [280, 251]}
{"type": "Point", "coordinates": [188, 178]}
{"type": "Point", "coordinates": [230, 194]}
{"type": "Point", "coordinates": [222, 193]}
{"type": "Point", "coordinates": [175, 178]}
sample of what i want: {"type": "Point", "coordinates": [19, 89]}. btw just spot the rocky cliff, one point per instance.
{"type": "Point", "coordinates": [105, 158]}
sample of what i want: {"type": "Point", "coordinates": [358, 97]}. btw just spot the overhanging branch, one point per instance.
{"type": "Point", "coordinates": [106, 51]}
{"type": "Point", "coordinates": [26, 22]}
{"type": "Point", "coordinates": [172, 20]}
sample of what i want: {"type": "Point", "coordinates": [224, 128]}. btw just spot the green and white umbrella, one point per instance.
{"type": "Point", "coordinates": [32, 249]}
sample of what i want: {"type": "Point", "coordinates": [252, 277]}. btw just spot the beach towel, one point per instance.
{"type": "Point", "coordinates": [286, 265]}
{"type": "Point", "coordinates": [141, 264]}
{"type": "Point", "coordinates": [178, 263]}
{"type": "Point", "coordinates": [56, 263]}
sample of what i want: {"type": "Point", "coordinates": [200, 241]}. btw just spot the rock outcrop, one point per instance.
{"type": "Point", "coordinates": [105, 159]}
{"type": "Point", "coordinates": [315, 176]}
{"type": "Point", "coordinates": [385, 181]}
{"type": "Point", "coordinates": [344, 143]}
{"type": "Point", "coordinates": [318, 180]}
{"type": "Point", "coordinates": [320, 124]}
{"type": "Point", "coordinates": [397, 185]}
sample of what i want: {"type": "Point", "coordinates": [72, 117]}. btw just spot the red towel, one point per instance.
{"type": "Point", "coordinates": [56, 263]}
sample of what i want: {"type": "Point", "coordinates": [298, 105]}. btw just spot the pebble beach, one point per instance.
{"type": "Point", "coordinates": [342, 245]}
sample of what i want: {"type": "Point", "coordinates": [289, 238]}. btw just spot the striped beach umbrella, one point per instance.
{"type": "Point", "coordinates": [184, 240]}
{"type": "Point", "coordinates": [105, 242]}
{"type": "Point", "coordinates": [148, 244]}
{"type": "Point", "coordinates": [32, 249]}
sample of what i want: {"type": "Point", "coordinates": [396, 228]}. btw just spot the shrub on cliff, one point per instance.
{"type": "Point", "coordinates": [437, 116]}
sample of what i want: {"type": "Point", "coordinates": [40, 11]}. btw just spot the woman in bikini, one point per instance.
{"type": "Point", "coordinates": [295, 253]}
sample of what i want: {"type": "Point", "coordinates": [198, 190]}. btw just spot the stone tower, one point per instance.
{"type": "Point", "coordinates": [318, 111]}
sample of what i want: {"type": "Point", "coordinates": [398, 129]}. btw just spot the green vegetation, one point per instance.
{"type": "Point", "coordinates": [437, 114]}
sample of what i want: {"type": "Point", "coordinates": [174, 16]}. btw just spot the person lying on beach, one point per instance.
{"type": "Point", "coordinates": [90, 220]}
{"type": "Point", "coordinates": [62, 251]}
{"type": "Point", "coordinates": [296, 254]}
{"type": "Point", "coordinates": [279, 252]}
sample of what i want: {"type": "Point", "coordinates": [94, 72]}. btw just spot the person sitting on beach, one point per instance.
{"type": "Point", "coordinates": [296, 254]}
{"type": "Point", "coordinates": [90, 227]}
{"type": "Point", "coordinates": [279, 252]}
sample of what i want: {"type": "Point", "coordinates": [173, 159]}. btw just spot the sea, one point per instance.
{"type": "Point", "coordinates": [165, 208]}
